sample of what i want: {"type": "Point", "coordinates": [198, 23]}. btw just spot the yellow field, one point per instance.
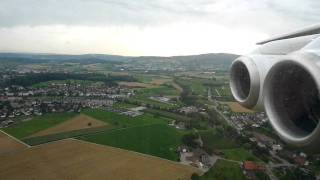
{"type": "Point", "coordinates": [159, 81]}
{"type": "Point", "coordinates": [134, 84]}
{"type": "Point", "coordinates": [9, 144]}
{"type": "Point", "coordinates": [236, 107]}
{"type": "Point", "coordinates": [76, 123]}
{"type": "Point", "coordinates": [75, 159]}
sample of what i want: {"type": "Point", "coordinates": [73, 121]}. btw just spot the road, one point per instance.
{"type": "Point", "coordinates": [221, 114]}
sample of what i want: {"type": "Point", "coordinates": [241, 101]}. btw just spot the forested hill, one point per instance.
{"type": "Point", "coordinates": [211, 59]}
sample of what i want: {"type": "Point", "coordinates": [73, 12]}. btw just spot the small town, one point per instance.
{"type": "Point", "coordinates": [264, 154]}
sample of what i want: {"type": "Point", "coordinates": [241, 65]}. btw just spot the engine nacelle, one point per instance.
{"type": "Point", "coordinates": [247, 79]}
{"type": "Point", "coordinates": [292, 99]}
{"type": "Point", "coordinates": [283, 78]}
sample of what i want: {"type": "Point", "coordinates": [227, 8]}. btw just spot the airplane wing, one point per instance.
{"type": "Point", "coordinates": [303, 32]}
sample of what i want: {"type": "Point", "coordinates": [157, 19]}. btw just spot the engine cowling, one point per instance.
{"type": "Point", "coordinates": [292, 99]}
{"type": "Point", "coordinates": [283, 78]}
{"type": "Point", "coordinates": [247, 76]}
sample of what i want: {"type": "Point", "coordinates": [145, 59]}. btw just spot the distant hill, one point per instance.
{"type": "Point", "coordinates": [211, 59]}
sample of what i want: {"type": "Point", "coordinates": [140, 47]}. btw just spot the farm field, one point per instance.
{"type": "Point", "coordinates": [239, 154]}
{"type": "Point", "coordinates": [223, 170]}
{"type": "Point", "coordinates": [160, 90]}
{"type": "Point", "coordinates": [196, 85]}
{"type": "Point", "coordinates": [74, 159]}
{"type": "Point", "coordinates": [123, 105]}
{"type": "Point", "coordinates": [223, 91]}
{"type": "Point", "coordinates": [170, 115]}
{"type": "Point", "coordinates": [134, 84]}
{"type": "Point", "coordinates": [236, 107]}
{"type": "Point", "coordinates": [122, 121]}
{"type": "Point", "coordinates": [160, 81]}
{"type": "Point", "coordinates": [152, 79]}
{"type": "Point", "coordinates": [38, 123]}
{"type": "Point", "coordinates": [9, 144]}
{"type": "Point", "coordinates": [213, 140]}
{"type": "Point", "coordinates": [109, 120]}
{"type": "Point", "coordinates": [79, 122]}
{"type": "Point", "coordinates": [157, 140]}
{"type": "Point", "coordinates": [146, 100]}
{"type": "Point", "coordinates": [143, 96]}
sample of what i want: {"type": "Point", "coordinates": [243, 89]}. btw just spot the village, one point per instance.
{"type": "Point", "coordinates": [18, 101]}
{"type": "Point", "coordinates": [264, 153]}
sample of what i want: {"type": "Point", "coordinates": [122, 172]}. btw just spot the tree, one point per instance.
{"type": "Point", "coordinates": [190, 140]}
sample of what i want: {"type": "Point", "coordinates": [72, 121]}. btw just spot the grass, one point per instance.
{"type": "Point", "coordinates": [70, 134]}
{"type": "Point", "coordinates": [168, 114]}
{"type": "Point", "coordinates": [143, 78]}
{"type": "Point", "coordinates": [157, 140]}
{"type": "Point", "coordinates": [214, 140]}
{"type": "Point", "coordinates": [196, 85]}
{"type": "Point", "coordinates": [123, 105]}
{"type": "Point", "coordinates": [224, 91]}
{"type": "Point", "coordinates": [239, 154]}
{"type": "Point", "coordinates": [143, 96]}
{"type": "Point", "coordinates": [223, 170]}
{"type": "Point", "coordinates": [38, 123]}
{"type": "Point", "coordinates": [146, 100]}
{"type": "Point", "coordinates": [116, 121]}
{"type": "Point", "coordinates": [161, 90]}
{"type": "Point", "coordinates": [122, 121]}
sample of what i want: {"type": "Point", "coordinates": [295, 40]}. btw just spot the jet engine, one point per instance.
{"type": "Point", "coordinates": [282, 77]}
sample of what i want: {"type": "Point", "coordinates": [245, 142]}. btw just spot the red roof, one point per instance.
{"type": "Point", "coordinates": [252, 166]}
{"type": "Point", "coordinates": [300, 160]}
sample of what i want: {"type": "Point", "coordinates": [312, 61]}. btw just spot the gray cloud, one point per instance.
{"type": "Point", "coordinates": [263, 13]}
{"type": "Point", "coordinates": [254, 18]}
{"type": "Point", "coordinates": [92, 12]}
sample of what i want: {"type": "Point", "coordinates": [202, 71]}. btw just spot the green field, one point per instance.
{"type": "Point", "coordinates": [213, 140]}
{"type": "Point", "coordinates": [143, 78]}
{"type": "Point", "coordinates": [143, 96]}
{"type": "Point", "coordinates": [123, 105]}
{"type": "Point", "coordinates": [224, 91]}
{"type": "Point", "coordinates": [122, 121]}
{"type": "Point", "coordinates": [239, 154]}
{"type": "Point", "coordinates": [196, 85]}
{"type": "Point", "coordinates": [157, 140]}
{"type": "Point", "coordinates": [38, 123]}
{"type": "Point", "coordinates": [161, 90]}
{"type": "Point", "coordinates": [223, 170]}
{"type": "Point", "coordinates": [170, 115]}
{"type": "Point", "coordinates": [146, 100]}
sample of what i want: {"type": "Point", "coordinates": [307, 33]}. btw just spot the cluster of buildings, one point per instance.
{"type": "Point", "coordinates": [162, 99]}
{"type": "Point", "coordinates": [244, 120]}
{"type": "Point", "coordinates": [196, 157]}
{"type": "Point", "coordinates": [132, 112]}
{"type": "Point", "coordinates": [18, 101]}
{"type": "Point", "coordinates": [188, 109]}
{"type": "Point", "coordinates": [250, 169]}
{"type": "Point", "coordinates": [64, 89]}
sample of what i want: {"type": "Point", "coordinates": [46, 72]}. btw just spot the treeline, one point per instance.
{"type": "Point", "coordinates": [34, 78]}
{"type": "Point", "coordinates": [187, 96]}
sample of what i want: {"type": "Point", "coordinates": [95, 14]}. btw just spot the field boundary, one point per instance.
{"type": "Point", "coordinates": [146, 155]}
{"type": "Point", "coordinates": [64, 135]}
{"type": "Point", "coordinates": [16, 139]}
{"type": "Point", "coordinates": [33, 141]}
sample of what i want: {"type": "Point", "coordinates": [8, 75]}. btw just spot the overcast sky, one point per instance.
{"type": "Point", "coordinates": [148, 27]}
